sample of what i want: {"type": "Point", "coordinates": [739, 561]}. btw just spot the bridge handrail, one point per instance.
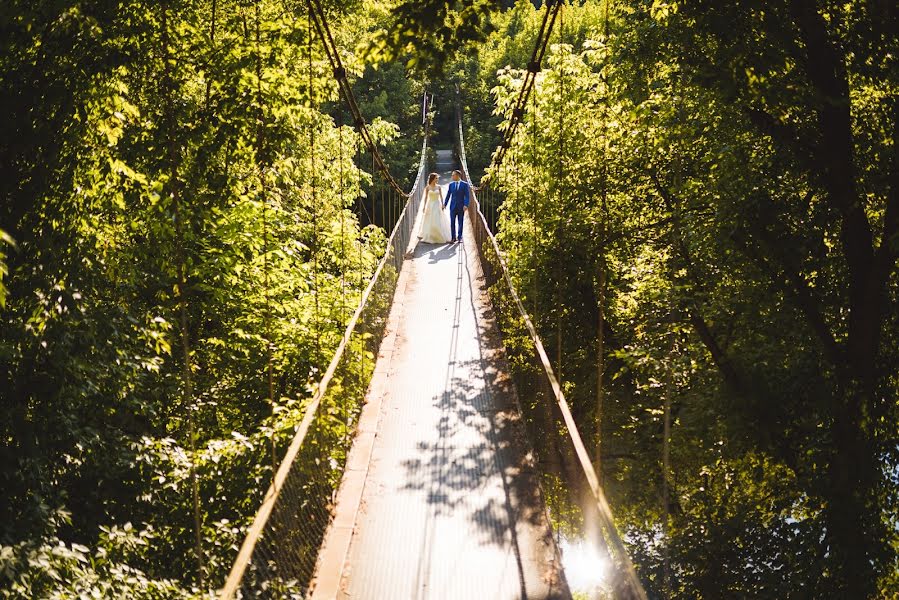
{"type": "Point", "coordinates": [583, 456]}
{"type": "Point", "coordinates": [403, 230]}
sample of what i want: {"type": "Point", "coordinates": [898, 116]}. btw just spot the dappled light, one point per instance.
{"type": "Point", "coordinates": [657, 360]}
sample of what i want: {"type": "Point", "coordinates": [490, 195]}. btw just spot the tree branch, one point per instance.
{"type": "Point", "coordinates": [785, 134]}
{"type": "Point", "coordinates": [792, 283]}
{"type": "Point", "coordinates": [826, 72]}
{"type": "Point", "coordinates": [719, 356]}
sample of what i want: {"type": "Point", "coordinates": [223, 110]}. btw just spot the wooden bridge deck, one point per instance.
{"type": "Point", "coordinates": [439, 500]}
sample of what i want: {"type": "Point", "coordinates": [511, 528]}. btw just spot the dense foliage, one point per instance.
{"type": "Point", "coordinates": [185, 240]}
{"type": "Point", "coordinates": [701, 209]}
{"type": "Point", "coordinates": [716, 185]}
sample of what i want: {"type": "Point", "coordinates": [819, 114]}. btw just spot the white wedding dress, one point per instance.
{"type": "Point", "coordinates": [435, 227]}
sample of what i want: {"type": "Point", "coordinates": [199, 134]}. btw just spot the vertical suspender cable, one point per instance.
{"type": "Point", "coordinates": [188, 398]}
{"type": "Point", "coordinates": [669, 391]}
{"type": "Point", "coordinates": [560, 183]}
{"type": "Point", "coordinates": [343, 262]}
{"type": "Point", "coordinates": [374, 192]}
{"type": "Point", "coordinates": [360, 203]}
{"type": "Point", "coordinates": [212, 19]}
{"type": "Point", "coordinates": [495, 201]}
{"type": "Point", "coordinates": [377, 197]}
{"type": "Point", "coordinates": [488, 215]}
{"type": "Point", "coordinates": [181, 266]}
{"type": "Point", "coordinates": [491, 197]}
{"type": "Point", "coordinates": [666, 442]}
{"type": "Point", "coordinates": [601, 317]}
{"type": "Point", "coordinates": [342, 217]}
{"type": "Point", "coordinates": [490, 200]}
{"type": "Point", "coordinates": [493, 207]}
{"type": "Point", "coordinates": [534, 208]}
{"type": "Point", "coordinates": [314, 198]}
{"type": "Point", "coordinates": [192, 429]}
{"type": "Point", "coordinates": [516, 162]}
{"type": "Point", "coordinates": [267, 326]}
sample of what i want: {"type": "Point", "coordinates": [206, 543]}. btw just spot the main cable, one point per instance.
{"type": "Point", "coordinates": [534, 67]}
{"type": "Point", "coordinates": [321, 24]}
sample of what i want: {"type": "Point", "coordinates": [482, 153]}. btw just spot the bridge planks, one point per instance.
{"type": "Point", "coordinates": [441, 501]}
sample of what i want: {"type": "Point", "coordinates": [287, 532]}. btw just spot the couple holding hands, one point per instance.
{"type": "Point", "coordinates": [435, 227]}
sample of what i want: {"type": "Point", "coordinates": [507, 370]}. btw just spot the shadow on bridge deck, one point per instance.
{"type": "Point", "coordinates": [439, 499]}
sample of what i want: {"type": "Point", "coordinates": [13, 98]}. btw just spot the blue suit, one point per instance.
{"type": "Point", "coordinates": [457, 197]}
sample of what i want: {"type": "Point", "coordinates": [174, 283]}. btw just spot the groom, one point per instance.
{"type": "Point", "coordinates": [457, 197]}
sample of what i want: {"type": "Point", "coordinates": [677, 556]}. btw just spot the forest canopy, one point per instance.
{"type": "Point", "coordinates": [700, 210]}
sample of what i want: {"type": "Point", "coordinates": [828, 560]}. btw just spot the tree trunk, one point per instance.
{"type": "Point", "coordinates": [852, 508]}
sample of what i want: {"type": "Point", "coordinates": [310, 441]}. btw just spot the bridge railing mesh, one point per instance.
{"type": "Point", "coordinates": [576, 504]}
{"type": "Point", "coordinates": [278, 556]}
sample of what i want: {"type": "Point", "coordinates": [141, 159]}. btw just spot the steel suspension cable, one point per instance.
{"type": "Point", "coordinates": [517, 171]}
{"type": "Point", "coordinates": [360, 202]}
{"type": "Point", "coordinates": [533, 67]}
{"type": "Point", "coordinates": [560, 184]}
{"type": "Point", "coordinates": [535, 233]}
{"type": "Point", "coordinates": [603, 216]}
{"type": "Point", "coordinates": [374, 192]}
{"type": "Point", "coordinates": [181, 284]}
{"type": "Point", "coordinates": [343, 257]}
{"type": "Point", "coordinates": [189, 401]}
{"type": "Point", "coordinates": [342, 219]}
{"type": "Point", "coordinates": [314, 196]}
{"type": "Point", "coordinates": [263, 188]}
{"type": "Point", "coordinates": [321, 25]}
{"type": "Point", "coordinates": [666, 469]}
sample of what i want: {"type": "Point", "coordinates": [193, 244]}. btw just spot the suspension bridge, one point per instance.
{"type": "Point", "coordinates": [436, 483]}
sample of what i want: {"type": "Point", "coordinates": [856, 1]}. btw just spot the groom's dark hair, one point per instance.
{"type": "Point", "coordinates": [459, 173]}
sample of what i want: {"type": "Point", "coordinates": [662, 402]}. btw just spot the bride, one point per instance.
{"type": "Point", "coordinates": [435, 227]}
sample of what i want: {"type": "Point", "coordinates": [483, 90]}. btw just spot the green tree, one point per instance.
{"type": "Point", "coordinates": [184, 207]}
{"type": "Point", "coordinates": [699, 175]}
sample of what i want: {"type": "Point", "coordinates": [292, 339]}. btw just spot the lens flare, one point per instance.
{"type": "Point", "coordinates": [585, 568]}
